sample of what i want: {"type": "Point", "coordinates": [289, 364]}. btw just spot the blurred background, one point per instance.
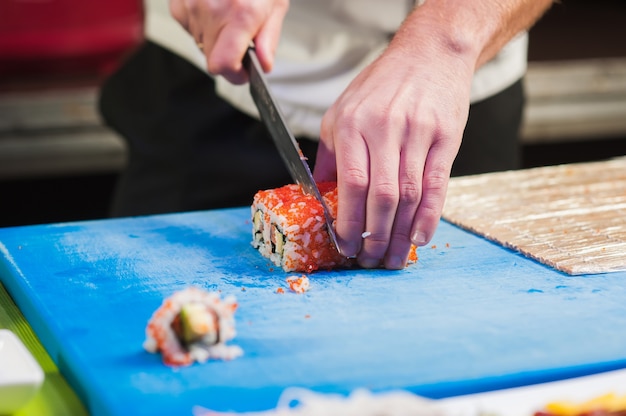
{"type": "Point", "coordinates": [59, 163]}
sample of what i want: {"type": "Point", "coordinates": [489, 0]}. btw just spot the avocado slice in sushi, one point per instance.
{"type": "Point", "coordinates": [277, 239]}
{"type": "Point", "coordinates": [198, 323]}
{"type": "Point", "coordinates": [257, 220]}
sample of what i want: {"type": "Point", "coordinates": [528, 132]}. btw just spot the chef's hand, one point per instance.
{"type": "Point", "coordinates": [390, 140]}
{"type": "Point", "coordinates": [224, 29]}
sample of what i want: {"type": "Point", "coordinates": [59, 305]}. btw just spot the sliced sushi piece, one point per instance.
{"type": "Point", "coordinates": [193, 325]}
{"type": "Point", "coordinates": [288, 228]}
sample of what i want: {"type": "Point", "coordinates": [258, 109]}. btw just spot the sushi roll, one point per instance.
{"type": "Point", "coordinates": [290, 230]}
{"type": "Point", "coordinates": [193, 325]}
{"type": "Point", "coordinates": [288, 227]}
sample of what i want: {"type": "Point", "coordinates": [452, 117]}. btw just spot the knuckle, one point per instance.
{"type": "Point", "coordinates": [436, 179]}
{"type": "Point", "coordinates": [410, 192]}
{"type": "Point", "coordinates": [350, 117]}
{"type": "Point", "coordinates": [356, 179]}
{"type": "Point", "coordinates": [386, 194]}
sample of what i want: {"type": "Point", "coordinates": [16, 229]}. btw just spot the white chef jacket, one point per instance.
{"type": "Point", "coordinates": [323, 46]}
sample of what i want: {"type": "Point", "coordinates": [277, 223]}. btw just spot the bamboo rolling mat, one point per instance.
{"type": "Point", "coordinates": [571, 217]}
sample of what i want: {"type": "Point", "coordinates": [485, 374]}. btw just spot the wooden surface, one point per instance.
{"type": "Point", "coordinates": [571, 217]}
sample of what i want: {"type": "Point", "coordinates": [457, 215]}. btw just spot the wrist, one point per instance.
{"type": "Point", "coordinates": [427, 31]}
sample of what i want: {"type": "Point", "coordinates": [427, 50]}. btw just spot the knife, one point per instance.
{"type": "Point", "coordinates": [283, 138]}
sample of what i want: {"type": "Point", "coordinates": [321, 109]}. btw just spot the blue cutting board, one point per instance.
{"type": "Point", "coordinates": [470, 316]}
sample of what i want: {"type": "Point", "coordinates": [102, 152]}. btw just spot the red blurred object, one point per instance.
{"type": "Point", "coordinates": [67, 36]}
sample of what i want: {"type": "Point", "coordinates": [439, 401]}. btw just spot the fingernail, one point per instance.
{"type": "Point", "coordinates": [419, 238]}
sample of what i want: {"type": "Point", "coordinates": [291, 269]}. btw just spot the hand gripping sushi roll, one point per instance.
{"type": "Point", "coordinates": [193, 325]}
{"type": "Point", "coordinates": [288, 227]}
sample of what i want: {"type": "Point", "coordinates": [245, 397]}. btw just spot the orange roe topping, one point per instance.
{"type": "Point", "coordinates": [413, 254]}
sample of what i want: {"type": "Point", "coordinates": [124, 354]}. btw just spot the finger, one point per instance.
{"type": "Point", "coordinates": [231, 40]}
{"type": "Point", "coordinates": [382, 200]}
{"type": "Point", "coordinates": [352, 185]}
{"type": "Point", "coordinates": [412, 160]}
{"type": "Point", "coordinates": [266, 40]}
{"type": "Point", "coordinates": [227, 54]}
{"type": "Point", "coordinates": [325, 163]}
{"type": "Point", "coordinates": [435, 185]}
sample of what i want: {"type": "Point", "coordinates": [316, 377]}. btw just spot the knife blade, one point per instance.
{"type": "Point", "coordinates": [284, 140]}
